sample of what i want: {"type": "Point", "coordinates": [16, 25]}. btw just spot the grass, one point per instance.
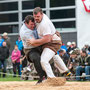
{"type": "Point", "coordinates": [10, 78]}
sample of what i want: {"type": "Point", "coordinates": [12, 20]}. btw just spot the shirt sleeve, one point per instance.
{"type": "Point", "coordinates": [46, 29]}
{"type": "Point", "coordinates": [29, 35]}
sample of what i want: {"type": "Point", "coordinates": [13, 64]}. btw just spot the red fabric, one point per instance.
{"type": "Point", "coordinates": [85, 6]}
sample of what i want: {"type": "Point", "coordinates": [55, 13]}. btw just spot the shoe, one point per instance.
{"type": "Point", "coordinates": [69, 74]}
{"type": "Point", "coordinates": [87, 80]}
{"type": "Point", "coordinates": [4, 75]}
{"type": "Point", "coordinates": [40, 80]}
{"type": "Point", "coordinates": [14, 75]}
{"type": "Point", "coordinates": [66, 74]}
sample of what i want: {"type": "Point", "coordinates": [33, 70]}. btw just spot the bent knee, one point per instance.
{"type": "Point", "coordinates": [43, 62]}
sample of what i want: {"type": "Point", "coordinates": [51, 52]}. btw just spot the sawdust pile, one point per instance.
{"type": "Point", "coordinates": [57, 81]}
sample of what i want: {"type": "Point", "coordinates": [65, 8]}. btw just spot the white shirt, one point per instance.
{"type": "Point", "coordinates": [46, 27]}
{"type": "Point", "coordinates": [25, 34]}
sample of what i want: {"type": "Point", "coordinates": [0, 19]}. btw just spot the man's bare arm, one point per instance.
{"type": "Point", "coordinates": [38, 42]}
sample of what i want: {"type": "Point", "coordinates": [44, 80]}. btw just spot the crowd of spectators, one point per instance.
{"type": "Point", "coordinates": [77, 60]}
{"type": "Point", "coordinates": [17, 57]}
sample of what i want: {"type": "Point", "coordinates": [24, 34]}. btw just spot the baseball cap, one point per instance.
{"type": "Point", "coordinates": [73, 43]}
{"type": "Point", "coordinates": [68, 43]}
{"type": "Point", "coordinates": [4, 34]}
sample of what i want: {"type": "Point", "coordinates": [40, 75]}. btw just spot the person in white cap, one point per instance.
{"type": "Point", "coordinates": [6, 39]}
{"type": "Point", "coordinates": [74, 45]}
{"type": "Point", "coordinates": [69, 47]}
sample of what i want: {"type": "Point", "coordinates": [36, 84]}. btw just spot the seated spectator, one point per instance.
{"type": "Point", "coordinates": [69, 47]}
{"type": "Point", "coordinates": [84, 65]}
{"type": "Point", "coordinates": [16, 54]}
{"type": "Point", "coordinates": [74, 45]}
{"type": "Point", "coordinates": [87, 68]}
{"type": "Point", "coordinates": [4, 54]}
{"type": "Point", "coordinates": [64, 56]}
{"type": "Point", "coordinates": [87, 48]}
{"type": "Point", "coordinates": [73, 61]}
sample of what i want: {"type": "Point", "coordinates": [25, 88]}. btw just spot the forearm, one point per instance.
{"type": "Point", "coordinates": [36, 44]}
{"type": "Point", "coordinates": [39, 42]}
{"type": "Point", "coordinates": [42, 41]}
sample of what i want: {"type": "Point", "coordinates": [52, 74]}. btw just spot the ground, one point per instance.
{"type": "Point", "coordinates": [21, 85]}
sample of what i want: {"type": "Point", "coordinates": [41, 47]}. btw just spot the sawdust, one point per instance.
{"type": "Point", "coordinates": [20, 85]}
{"type": "Point", "coordinates": [57, 81]}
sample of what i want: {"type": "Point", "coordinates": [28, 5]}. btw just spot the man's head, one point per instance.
{"type": "Point", "coordinates": [19, 38]}
{"type": "Point", "coordinates": [38, 14]}
{"type": "Point", "coordinates": [4, 44]}
{"type": "Point", "coordinates": [83, 53]}
{"type": "Point", "coordinates": [73, 53]}
{"type": "Point", "coordinates": [30, 22]}
{"type": "Point", "coordinates": [5, 35]}
{"type": "Point", "coordinates": [73, 44]}
{"type": "Point", "coordinates": [62, 52]}
{"type": "Point", "coordinates": [16, 47]}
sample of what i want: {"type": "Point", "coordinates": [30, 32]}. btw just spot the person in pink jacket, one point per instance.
{"type": "Point", "coordinates": [15, 57]}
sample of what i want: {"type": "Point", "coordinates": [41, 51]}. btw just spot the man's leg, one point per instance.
{"type": "Point", "coordinates": [87, 71]}
{"type": "Point", "coordinates": [4, 68]}
{"type": "Point", "coordinates": [14, 69]}
{"type": "Point", "coordinates": [0, 68]}
{"type": "Point", "coordinates": [35, 58]}
{"type": "Point", "coordinates": [46, 56]}
{"type": "Point", "coordinates": [79, 69]}
{"type": "Point", "coordinates": [60, 64]}
{"type": "Point", "coordinates": [18, 67]}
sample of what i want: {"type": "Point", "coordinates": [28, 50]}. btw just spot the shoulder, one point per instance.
{"type": "Point", "coordinates": [23, 29]}
{"type": "Point", "coordinates": [44, 21]}
{"type": "Point", "coordinates": [88, 57]}
{"type": "Point", "coordinates": [19, 51]}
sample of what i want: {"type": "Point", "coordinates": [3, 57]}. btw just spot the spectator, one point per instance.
{"type": "Point", "coordinates": [64, 56]}
{"type": "Point", "coordinates": [74, 45]}
{"type": "Point", "coordinates": [87, 48]}
{"type": "Point", "coordinates": [73, 61]}
{"type": "Point", "coordinates": [16, 54]}
{"type": "Point", "coordinates": [4, 54]}
{"type": "Point", "coordinates": [87, 68]}
{"type": "Point", "coordinates": [6, 39]}
{"type": "Point", "coordinates": [68, 47]}
{"type": "Point", "coordinates": [1, 41]}
{"type": "Point", "coordinates": [19, 43]}
{"type": "Point", "coordinates": [63, 46]}
{"type": "Point", "coordinates": [84, 65]}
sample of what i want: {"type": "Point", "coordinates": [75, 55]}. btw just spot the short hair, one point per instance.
{"type": "Point", "coordinates": [37, 10]}
{"type": "Point", "coordinates": [15, 45]}
{"type": "Point", "coordinates": [28, 18]}
{"type": "Point", "coordinates": [84, 51]}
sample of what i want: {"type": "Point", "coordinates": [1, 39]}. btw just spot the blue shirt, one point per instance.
{"type": "Point", "coordinates": [19, 44]}
{"type": "Point", "coordinates": [1, 42]}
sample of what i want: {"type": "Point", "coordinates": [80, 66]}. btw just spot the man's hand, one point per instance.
{"type": "Point", "coordinates": [13, 61]}
{"type": "Point", "coordinates": [41, 41]}
{"type": "Point", "coordinates": [31, 41]}
{"type": "Point", "coordinates": [83, 66]}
